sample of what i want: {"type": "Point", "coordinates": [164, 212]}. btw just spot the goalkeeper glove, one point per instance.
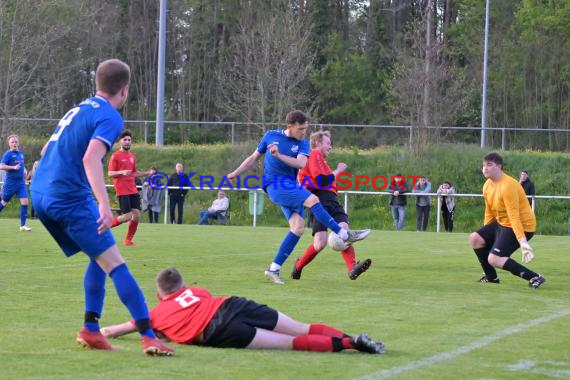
{"type": "Point", "coordinates": [527, 251]}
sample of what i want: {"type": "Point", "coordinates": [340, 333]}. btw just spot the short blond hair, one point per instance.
{"type": "Point", "coordinates": [317, 137]}
{"type": "Point", "coordinates": [13, 136]}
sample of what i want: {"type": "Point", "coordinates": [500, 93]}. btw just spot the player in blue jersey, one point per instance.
{"type": "Point", "coordinates": [288, 152]}
{"type": "Point", "coordinates": [68, 174]}
{"type": "Point", "coordinates": [15, 181]}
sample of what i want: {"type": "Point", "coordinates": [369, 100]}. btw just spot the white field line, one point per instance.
{"type": "Point", "coordinates": [444, 356]}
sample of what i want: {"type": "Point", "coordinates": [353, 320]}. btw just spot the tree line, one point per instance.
{"type": "Point", "coordinates": [405, 62]}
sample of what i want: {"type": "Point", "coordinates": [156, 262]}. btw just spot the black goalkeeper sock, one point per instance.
{"type": "Point", "coordinates": [518, 270]}
{"type": "Point", "coordinates": [483, 256]}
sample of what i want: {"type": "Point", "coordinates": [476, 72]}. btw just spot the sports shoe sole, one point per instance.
{"type": "Point", "coordinates": [360, 267]}
{"type": "Point", "coordinates": [155, 351]}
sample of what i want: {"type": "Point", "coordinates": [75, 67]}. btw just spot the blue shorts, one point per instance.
{"type": "Point", "coordinates": [10, 190]}
{"type": "Point", "coordinates": [290, 196]}
{"type": "Point", "coordinates": [73, 224]}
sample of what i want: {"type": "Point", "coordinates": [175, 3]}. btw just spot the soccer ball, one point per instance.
{"type": "Point", "coordinates": [336, 243]}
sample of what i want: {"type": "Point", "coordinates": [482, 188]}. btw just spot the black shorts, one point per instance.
{"type": "Point", "coordinates": [329, 201]}
{"type": "Point", "coordinates": [129, 202]}
{"type": "Point", "coordinates": [501, 241]}
{"type": "Point", "coordinates": [234, 324]}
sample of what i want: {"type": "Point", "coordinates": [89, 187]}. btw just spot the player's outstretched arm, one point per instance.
{"type": "Point", "coordinates": [115, 331]}
{"type": "Point", "coordinates": [245, 165]}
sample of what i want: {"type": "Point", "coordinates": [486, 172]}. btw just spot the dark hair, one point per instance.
{"type": "Point", "coordinates": [449, 183]}
{"type": "Point", "coordinates": [297, 117]}
{"type": "Point", "coordinates": [112, 75]}
{"type": "Point", "coordinates": [169, 281]}
{"type": "Point", "coordinates": [494, 157]}
{"type": "Point", "coordinates": [126, 132]}
{"type": "Point", "coordinates": [153, 168]}
{"type": "Point", "coordinates": [524, 171]}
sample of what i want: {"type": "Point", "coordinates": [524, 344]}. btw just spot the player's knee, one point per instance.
{"type": "Point", "coordinates": [476, 240]}
{"type": "Point", "coordinates": [311, 201]}
{"type": "Point", "coordinates": [319, 244]}
{"type": "Point", "coordinates": [495, 261]}
{"type": "Point", "coordinates": [298, 229]}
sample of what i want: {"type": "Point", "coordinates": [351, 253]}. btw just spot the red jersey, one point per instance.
{"type": "Point", "coordinates": [316, 165]}
{"type": "Point", "coordinates": [124, 185]}
{"type": "Point", "coordinates": [183, 315]}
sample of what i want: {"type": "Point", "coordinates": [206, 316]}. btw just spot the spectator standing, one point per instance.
{"type": "Point", "coordinates": [423, 203]}
{"type": "Point", "coordinates": [527, 185]}
{"type": "Point", "coordinates": [176, 196]}
{"type": "Point", "coordinates": [151, 197]}
{"type": "Point", "coordinates": [446, 191]}
{"type": "Point", "coordinates": [398, 200]}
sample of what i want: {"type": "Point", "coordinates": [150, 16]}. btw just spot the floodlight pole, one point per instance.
{"type": "Point", "coordinates": [484, 97]}
{"type": "Point", "coordinates": [160, 80]}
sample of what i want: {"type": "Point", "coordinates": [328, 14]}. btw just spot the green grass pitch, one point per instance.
{"type": "Point", "coordinates": [420, 297]}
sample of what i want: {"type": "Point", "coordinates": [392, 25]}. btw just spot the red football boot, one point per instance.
{"type": "Point", "coordinates": [154, 347]}
{"type": "Point", "coordinates": [93, 340]}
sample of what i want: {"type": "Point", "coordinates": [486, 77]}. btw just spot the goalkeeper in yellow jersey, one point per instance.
{"type": "Point", "coordinates": [509, 223]}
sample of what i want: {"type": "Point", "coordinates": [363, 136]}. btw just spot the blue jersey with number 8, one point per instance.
{"type": "Point", "coordinates": [60, 172]}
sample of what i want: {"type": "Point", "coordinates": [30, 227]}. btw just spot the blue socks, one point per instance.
{"type": "Point", "coordinates": [23, 214]}
{"type": "Point", "coordinates": [287, 246]}
{"type": "Point", "coordinates": [132, 297]}
{"type": "Point", "coordinates": [325, 218]}
{"type": "Point", "coordinates": [94, 284]}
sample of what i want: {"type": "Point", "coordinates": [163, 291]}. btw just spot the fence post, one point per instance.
{"type": "Point", "coordinates": [254, 207]}
{"type": "Point", "coordinates": [438, 212]}
{"type": "Point", "coordinates": [532, 203]}
{"type": "Point", "coordinates": [233, 133]}
{"type": "Point", "coordinates": [145, 132]}
{"type": "Point", "coordinates": [503, 139]}
{"type": "Point", "coordinates": [346, 203]}
{"type": "Point", "coordinates": [166, 206]}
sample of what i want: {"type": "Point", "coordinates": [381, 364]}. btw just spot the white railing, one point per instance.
{"type": "Point", "coordinates": [346, 194]}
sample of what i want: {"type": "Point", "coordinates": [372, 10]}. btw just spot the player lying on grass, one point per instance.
{"type": "Point", "coordinates": [190, 315]}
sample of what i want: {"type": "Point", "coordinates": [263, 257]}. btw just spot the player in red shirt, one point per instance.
{"type": "Point", "coordinates": [123, 170]}
{"type": "Point", "coordinates": [319, 178]}
{"type": "Point", "coordinates": [188, 315]}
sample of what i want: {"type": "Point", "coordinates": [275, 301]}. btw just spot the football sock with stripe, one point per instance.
{"type": "Point", "coordinates": [94, 285]}
{"type": "Point", "coordinates": [131, 295]}
{"type": "Point", "coordinates": [325, 218]}
{"type": "Point", "coordinates": [287, 246]}
{"type": "Point", "coordinates": [518, 270]}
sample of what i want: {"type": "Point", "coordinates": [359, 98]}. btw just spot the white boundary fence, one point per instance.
{"type": "Point", "coordinates": [346, 194]}
{"type": "Point", "coordinates": [346, 199]}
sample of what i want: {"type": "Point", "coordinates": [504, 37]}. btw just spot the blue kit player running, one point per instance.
{"type": "Point", "coordinates": [15, 183]}
{"type": "Point", "coordinates": [69, 172]}
{"type": "Point", "coordinates": [288, 152]}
